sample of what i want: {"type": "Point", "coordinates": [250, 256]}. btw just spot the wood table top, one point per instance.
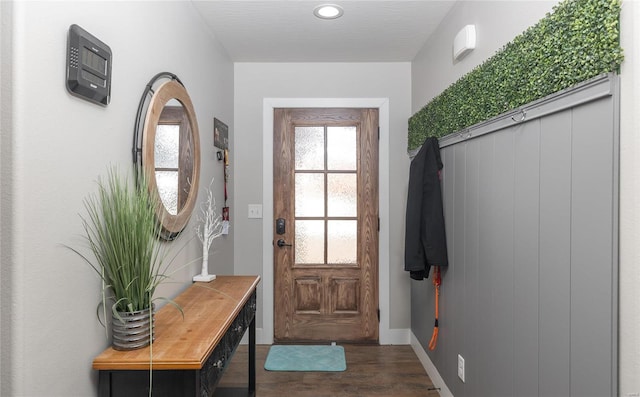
{"type": "Point", "coordinates": [185, 343]}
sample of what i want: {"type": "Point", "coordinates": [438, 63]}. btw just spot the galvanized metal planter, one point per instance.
{"type": "Point", "coordinates": [132, 330]}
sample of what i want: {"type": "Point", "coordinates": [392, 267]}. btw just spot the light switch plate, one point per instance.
{"type": "Point", "coordinates": [255, 211]}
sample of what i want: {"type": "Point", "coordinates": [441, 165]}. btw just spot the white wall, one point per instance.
{"type": "Point", "coordinates": [498, 23]}
{"type": "Point", "coordinates": [5, 112]}
{"type": "Point", "coordinates": [59, 145]}
{"type": "Point", "coordinates": [257, 81]}
{"type": "Point", "coordinates": [629, 300]}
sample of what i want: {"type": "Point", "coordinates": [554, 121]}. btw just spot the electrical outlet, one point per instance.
{"type": "Point", "coordinates": [255, 211]}
{"type": "Point", "coordinates": [461, 368]}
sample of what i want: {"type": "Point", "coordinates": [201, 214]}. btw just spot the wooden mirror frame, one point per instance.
{"type": "Point", "coordinates": [172, 225]}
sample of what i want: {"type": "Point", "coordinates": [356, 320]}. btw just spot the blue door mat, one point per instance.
{"type": "Point", "coordinates": [305, 358]}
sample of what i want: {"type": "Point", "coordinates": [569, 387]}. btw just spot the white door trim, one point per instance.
{"type": "Point", "coordinates": [265, 336]}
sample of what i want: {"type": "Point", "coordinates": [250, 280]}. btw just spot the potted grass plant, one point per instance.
{"type": "Point", "coordinates": [121, 231]}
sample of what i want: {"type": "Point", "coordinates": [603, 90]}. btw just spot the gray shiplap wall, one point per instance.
{"type": "Point", "coordinates": [531, 211]}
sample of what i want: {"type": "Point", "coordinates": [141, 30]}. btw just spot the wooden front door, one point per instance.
{"type": "Point", "coordinates": [326, 225]}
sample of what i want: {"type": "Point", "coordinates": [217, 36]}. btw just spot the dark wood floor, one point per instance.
{"type": "Point", "coordinates": [371, 371]}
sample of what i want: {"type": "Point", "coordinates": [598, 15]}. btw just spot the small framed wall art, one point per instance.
{"type": "Point", "coordinates": [220, 134]}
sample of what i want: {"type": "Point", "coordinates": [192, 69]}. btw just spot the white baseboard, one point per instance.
{"type": "Point", "coordinates": [431, 369]}
{"type": "Point", "coordinates": [395, 336]}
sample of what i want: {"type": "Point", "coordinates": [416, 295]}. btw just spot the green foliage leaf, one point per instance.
{"type": "Point", "coordinates": [578, 41]}
{"type": "Point", "coordinates": [122, 232]}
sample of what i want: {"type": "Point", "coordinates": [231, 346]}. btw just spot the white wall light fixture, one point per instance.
{"type": "Point", "coordinates": [328, 11]}
{"type": "Point", "coordinates": [464, 42]}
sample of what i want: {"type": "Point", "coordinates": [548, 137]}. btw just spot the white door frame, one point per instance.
{"type": "Point", "coordinates": [265, 335]}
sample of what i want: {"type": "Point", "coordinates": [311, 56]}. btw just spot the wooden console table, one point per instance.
{"type": "Point", "coordinates": [190, 354]}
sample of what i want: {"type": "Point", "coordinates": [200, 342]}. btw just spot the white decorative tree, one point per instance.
{"type": "Point", "coordinates": [209, 228]}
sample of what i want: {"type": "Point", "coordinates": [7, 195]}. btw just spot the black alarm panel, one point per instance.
{"type": "Point", "coordinates": [88, 66]}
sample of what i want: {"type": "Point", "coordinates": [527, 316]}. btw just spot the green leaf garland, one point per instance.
{"type": "Point", "coordinates": [579, 40]}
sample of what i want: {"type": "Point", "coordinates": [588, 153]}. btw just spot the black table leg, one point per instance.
{"type": "Point", "coordinates": [252, 357]}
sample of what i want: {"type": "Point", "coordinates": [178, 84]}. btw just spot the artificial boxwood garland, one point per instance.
{"type": "Point", "coordinates": [576, 42]}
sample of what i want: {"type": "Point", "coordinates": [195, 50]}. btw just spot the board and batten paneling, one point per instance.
{"type": "Point", "coordinates": [531, 211]}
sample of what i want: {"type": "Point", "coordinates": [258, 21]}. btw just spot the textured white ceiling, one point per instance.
{"type": "Point", "coordinates": [287, 31]}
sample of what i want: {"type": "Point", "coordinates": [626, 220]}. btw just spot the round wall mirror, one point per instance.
{"type": "Point", "coordinates": [169, 154]}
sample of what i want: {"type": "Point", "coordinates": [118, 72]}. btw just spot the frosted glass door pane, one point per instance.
{"type": "Point", "coordinates": [309, 242]}
{"type": "Point", "coordinates": [309, 143]}
{"type": "Point", "coordinates": [309, 195]}
{"type": "Point", "coordinates": [342, 244]}
{"type": "Point", "coordinates": [167, 182]}
{"type": "Point", "coordinates": [342, 192]}
{"type": "Point", "coordinates": [167, 146]}
{"type": "Point", "coordinates": [341, 148]}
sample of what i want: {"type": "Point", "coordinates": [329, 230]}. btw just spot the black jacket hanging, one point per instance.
{"type": "Point", "coordinates": [425, 240]}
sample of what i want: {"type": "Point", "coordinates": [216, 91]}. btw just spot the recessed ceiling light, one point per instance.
{"type": "Point", "coordinates": [328, 11]}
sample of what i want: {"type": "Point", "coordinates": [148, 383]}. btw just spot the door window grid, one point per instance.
{"type": "Point", "coordinates": [326, 211]}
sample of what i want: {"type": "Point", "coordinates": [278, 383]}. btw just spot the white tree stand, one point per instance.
{"type": "Point", "coordinates": [211, 229]}
{"type": "Point", "coordinates": [204, 275]}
